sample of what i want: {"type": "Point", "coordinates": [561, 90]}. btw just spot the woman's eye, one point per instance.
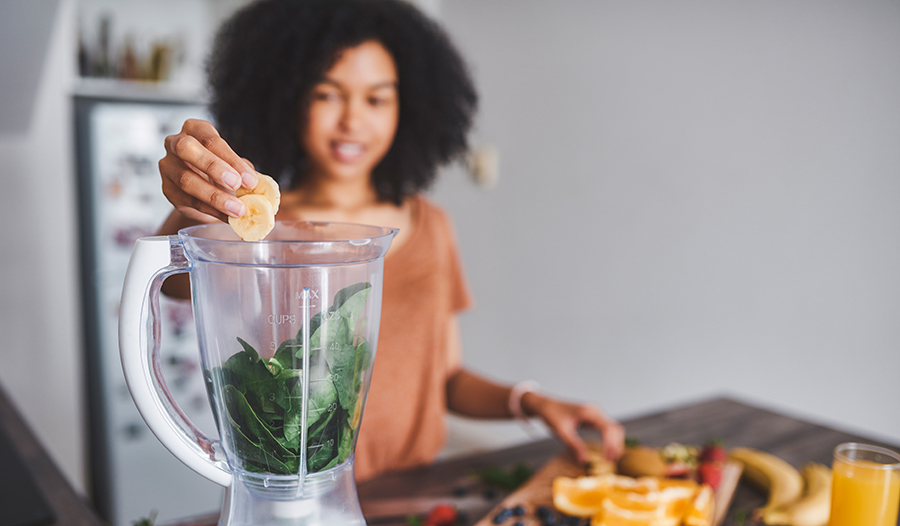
{"type": "Point", "coordinates": [378, 101]}
{"type": "Point", "coordinates": [325, 96]}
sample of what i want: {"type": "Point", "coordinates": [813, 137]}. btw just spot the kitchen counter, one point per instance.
{"type": "Point", "coordinates": [389, 499]}
{"type": "Point", "coordinates": [34, 490]}
{"type": "Point", "coordinates": [736, 422]}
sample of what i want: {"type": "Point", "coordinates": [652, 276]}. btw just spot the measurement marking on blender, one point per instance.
{"type": "Point", "coordinates": [282, 319]}
{"type": "Point", "coordinates": [312, 294]}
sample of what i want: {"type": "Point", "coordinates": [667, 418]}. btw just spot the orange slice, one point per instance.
{"type": "Point", "coordinates": [678, 499]}
{"type": "Point", "coordinates": [700, 511]}
{"type": "Point", "coordinates": [629, 500]}
{"type": "Point", "coordinates": [615, 515]}
{"type": "Point", "coordinates": [643, 485]}
{"type": "Point", "coordinates": [678, 483]}
{"type": "Point", "coordinates": [582, 496]}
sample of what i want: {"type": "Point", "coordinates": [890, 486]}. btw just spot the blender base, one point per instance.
{"type": "Point", "coordinates": [327, 498]}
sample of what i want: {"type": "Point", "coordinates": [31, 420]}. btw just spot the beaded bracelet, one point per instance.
{"type": "Point", "coordinates": [515, 397]}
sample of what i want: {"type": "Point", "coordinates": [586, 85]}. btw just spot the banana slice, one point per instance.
{"type": "Point", "coordinates": [266, 187]}
{"type": "Point", "coordinates": [258, 220]}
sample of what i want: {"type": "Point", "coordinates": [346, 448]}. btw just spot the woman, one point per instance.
{"type": "Point", "coordinates": [352, 105]}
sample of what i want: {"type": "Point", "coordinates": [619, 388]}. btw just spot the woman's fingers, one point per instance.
{"type": "Point", "coordinates": [565, 419]}
{"type": "Point", "coordinates": [612, 431]}
{"type": "Point", "coordinates": [187, 190]}
{"type": "Point", "coordinates": [568, 434]}
{"type": "Point", "coordinates": [201, 172]}
{"type": "Point", "coordinates": [209, 138]}
{"type": "Point", "coordinates": [190, 150]}
{"type": "Point", "coordinates": [613, 440]}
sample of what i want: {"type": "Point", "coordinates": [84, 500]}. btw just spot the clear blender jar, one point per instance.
{"type": "Point", "coordinates": [287, 329]}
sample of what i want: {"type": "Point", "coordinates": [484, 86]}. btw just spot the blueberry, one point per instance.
{"type": "Point", "coordinates": [519, 523]}
{"type": "Point", "coordinates": [490, 493]}
{"type": "Point", "coordinates": [549, 519]}
{"type": "Point", "coordinates": [502, 515]}
{"type": "Point", "coordinates": [542, 511]}
{"type": "Point", "coordinates": [460, 491]}
{"type": "Point", "coordinates": [518, 511]}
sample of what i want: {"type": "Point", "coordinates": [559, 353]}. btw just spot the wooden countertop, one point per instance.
{"type": "Point", "coordinates": [67, 507]}
{"type": "Point", "coordinates": [737, 422]}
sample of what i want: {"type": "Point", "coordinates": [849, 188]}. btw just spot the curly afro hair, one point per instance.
{"type": "Point", "coordinates": [269, 55]}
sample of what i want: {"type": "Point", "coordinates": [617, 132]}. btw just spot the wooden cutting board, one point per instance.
{"type": "Point", "coordinates": [537, 491]}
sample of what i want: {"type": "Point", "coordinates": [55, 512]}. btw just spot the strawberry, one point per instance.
{"type": "Point", "coordinates": [714, 452]}
{"type": "Point", "coordinates": [710, 473]}
{"type": "Point", "coordinates": [442, 515]}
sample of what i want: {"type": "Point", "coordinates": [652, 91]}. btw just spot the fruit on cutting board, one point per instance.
{"type": "Point", "coordinates": [712, 461]}
{"type": "Point", "coordinates": [675, 460]}
{"type": "Point", "coordinates": [261, 204]}
{"type": "Point", "coordinates": [612, 500]}
{"type": "Point", "coordinates": [642, 461]}
{"type": "Point", "coordinates": [794, 499]}
{"type": "Point", "coordinates": [701, 510]}
{"type": "Point", "coordinates": [813, 508]}
{"type": "Point", "coordinates": [442, 515]}
{"type": "Point", "coordinates": [598, 464]}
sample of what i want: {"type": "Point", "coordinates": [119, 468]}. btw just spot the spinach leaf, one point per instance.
{"type": "Point", "coordinates": [254, 380]}
{"type": "Point", "coordinates": [292, 418]}
{"type": "Point", "coordinates": [346, 293]}
{"type": "Point", "coordinates": [323, 442]}
{"type": "Point", "coordinates": [342, 356]}
{"type": "Point", "coordinates": [268, 449]}
{"type": "Point", "coordinates": [286, 354]}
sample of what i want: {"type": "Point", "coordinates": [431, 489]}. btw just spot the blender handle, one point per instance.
{"type": "Point", "coordinates": [152, 260]}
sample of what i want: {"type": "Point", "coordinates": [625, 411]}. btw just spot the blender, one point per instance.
{"type": "Point", "coordinates": [287, 330]}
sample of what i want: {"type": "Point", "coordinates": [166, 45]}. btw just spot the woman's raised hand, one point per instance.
{"type": "Point", "coordinates": [200, 173]}
{"type": "Point", "coordinates": [565, 418]}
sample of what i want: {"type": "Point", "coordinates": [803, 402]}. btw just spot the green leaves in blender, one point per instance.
{"type": "Point", "coordinates": [263, 398]}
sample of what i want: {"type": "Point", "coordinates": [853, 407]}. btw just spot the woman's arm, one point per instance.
{"type": "Point", "coordinates": [177, 285]}
{"type": "Point", "coordinates": [471, 395]}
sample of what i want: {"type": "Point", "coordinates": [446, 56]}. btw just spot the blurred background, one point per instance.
{"type": "Point", "coordinates": [667, 202]}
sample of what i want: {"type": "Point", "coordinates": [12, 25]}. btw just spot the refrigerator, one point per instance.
{"type": "Point", "coordinates": [119, 141]}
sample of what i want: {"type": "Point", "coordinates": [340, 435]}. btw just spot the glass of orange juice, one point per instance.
{"type": "Point", "coordinates": [866, 487]}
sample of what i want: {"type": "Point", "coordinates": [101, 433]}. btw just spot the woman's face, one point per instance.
{"type": "Point", "coordinates": [353, 114]}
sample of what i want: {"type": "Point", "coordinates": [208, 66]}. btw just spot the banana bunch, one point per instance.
{"type": "Point", "coordinates": [795, 498]}
{"type": "Point", "coordinates": [261, 203]}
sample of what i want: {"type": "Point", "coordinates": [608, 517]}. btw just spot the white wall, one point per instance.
{"type": "Point", "coordinates": [695, 198]}
{"type": "Point", "coordinates": [40, 358]}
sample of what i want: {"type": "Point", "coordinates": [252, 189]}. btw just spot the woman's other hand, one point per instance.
{"type": "Point", "coordinates": [200, 173]}
{"type": "Point", "coordinates": [565, 418]}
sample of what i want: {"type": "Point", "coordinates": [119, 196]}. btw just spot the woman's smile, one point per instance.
{"type": "Point", "coordinates": [347, 151]}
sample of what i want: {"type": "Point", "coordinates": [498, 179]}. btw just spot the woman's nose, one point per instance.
{"type": "Point", "coordinates": [352, 116]}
